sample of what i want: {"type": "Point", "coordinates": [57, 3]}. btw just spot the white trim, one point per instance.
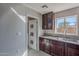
{"type": "Point", "coordinates": [37, 18]}
{"type": "Point", "coordinates": [56, 25]}
{"type": "Point", "coordinates": [32, 16]}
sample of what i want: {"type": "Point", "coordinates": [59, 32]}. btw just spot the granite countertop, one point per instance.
{"type": "Point", "coordinates": [61, 39]}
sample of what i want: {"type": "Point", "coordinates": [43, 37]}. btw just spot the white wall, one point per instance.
{"type": "Point", "coordinates": [13, 30]}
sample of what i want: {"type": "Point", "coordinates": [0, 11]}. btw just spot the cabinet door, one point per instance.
{"type": "Point", "coordinates": [48, 21]}
{"type": "Point", "coordinates": [73, 52]}
{"type": "Point", "coordinates": [44, 21]}
{"type": "Point", "coordinates": [41, 44]}
{"type": "Point", "coordinates": [44, 45]}
{"type": "Point", "coordinates": [71, 49]}
{"type": "Point", "coordinates": [57, 48]}
{"type": "Point", "coordinates": [47, 46]}
{"type": "Point", "coordinates": [52, 48]}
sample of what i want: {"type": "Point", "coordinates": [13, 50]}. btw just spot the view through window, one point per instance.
{"type": "Point", "coordinates": [66, 25]}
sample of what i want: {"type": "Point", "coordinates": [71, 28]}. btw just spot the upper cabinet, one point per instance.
{"type": "Point", "coordinates": [48, 21]}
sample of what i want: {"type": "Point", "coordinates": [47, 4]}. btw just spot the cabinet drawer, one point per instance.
{"type": "Point", "coordinates": [42, 46]}
{"type": "Point", "coordinates": [71, 49]}
{"type": "Point", "coordinates": [72, 46]}
{"type": "Point", "coordinates": [58, 43]}
{"type": "Point", "coordinates": [47, 49]}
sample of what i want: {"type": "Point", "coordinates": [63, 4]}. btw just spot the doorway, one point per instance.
{"type": "Point", "coordinates": [32, 33]}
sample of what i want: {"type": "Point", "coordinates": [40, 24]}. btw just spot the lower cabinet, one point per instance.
{"type": "Point", "coordinates": [52, 48]}
{"type": "Point", "coordinates": [44, 45]}
{"type": "Point", "coordinates": [58, 48]}
{"type": "Point", "coordinates": [71, 49]}
{"type": "Point", "coordinates": [72, 52]}
{"type": "Point", "coordinates": [41, 44]}
{"type": "Point", "coordinates": [47, 46]}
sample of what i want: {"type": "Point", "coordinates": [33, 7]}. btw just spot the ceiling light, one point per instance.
{"type": "Point", "coordinates": [44, 6]}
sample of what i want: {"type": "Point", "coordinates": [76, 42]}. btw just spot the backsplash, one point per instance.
{"type": "Point", "coordinates": [52, 33]}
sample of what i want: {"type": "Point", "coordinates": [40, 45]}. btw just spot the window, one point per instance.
{"type": "Point", "coordinates": [67, 25]}
{"type": "Point", "coordinates": [60, 25]}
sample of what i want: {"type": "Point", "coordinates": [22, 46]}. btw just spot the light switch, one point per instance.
{"type": "Point", "coordinates": [18, 34]}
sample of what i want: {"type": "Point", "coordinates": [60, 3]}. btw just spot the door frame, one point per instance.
{"type": "Point", "coordinates": [37, 42]}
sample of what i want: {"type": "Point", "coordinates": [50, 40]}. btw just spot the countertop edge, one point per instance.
{"type": "Point", "coordinates": [54, 38]}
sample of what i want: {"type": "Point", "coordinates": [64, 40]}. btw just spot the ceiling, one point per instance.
{"type": "Point", "coordinates": [55, 7]}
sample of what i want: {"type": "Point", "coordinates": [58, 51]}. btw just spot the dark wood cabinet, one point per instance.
{"type": "Point", "coordinates": [44, 21]}
{"type": "Point", "coordinates": [52, 48]}
{"type": "Point", "coordinates": [48, 21]}
{"type": "Point", "coordinates": [58, 48]}
{"type": "Point", "coordinates": [44, 45]}
{"type": "Point", "coordinates": [41, 44]}
{"type": "Point", "coordinates": [71, 49]}
{"type": "Point", "coordinates": [47, 46]}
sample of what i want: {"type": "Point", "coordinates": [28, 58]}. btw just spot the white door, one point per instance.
{"type": "Point", "coordinates": [32, 33]}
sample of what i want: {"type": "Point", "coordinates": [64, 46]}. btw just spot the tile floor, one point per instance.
{"type": "Point", "coordinates": [32, 52]}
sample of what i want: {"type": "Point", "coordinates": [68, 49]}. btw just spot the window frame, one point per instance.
{"type": "Point", "coordinates": [56, 25]}
{"type": "Point", "coordinates": [65, 26]}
